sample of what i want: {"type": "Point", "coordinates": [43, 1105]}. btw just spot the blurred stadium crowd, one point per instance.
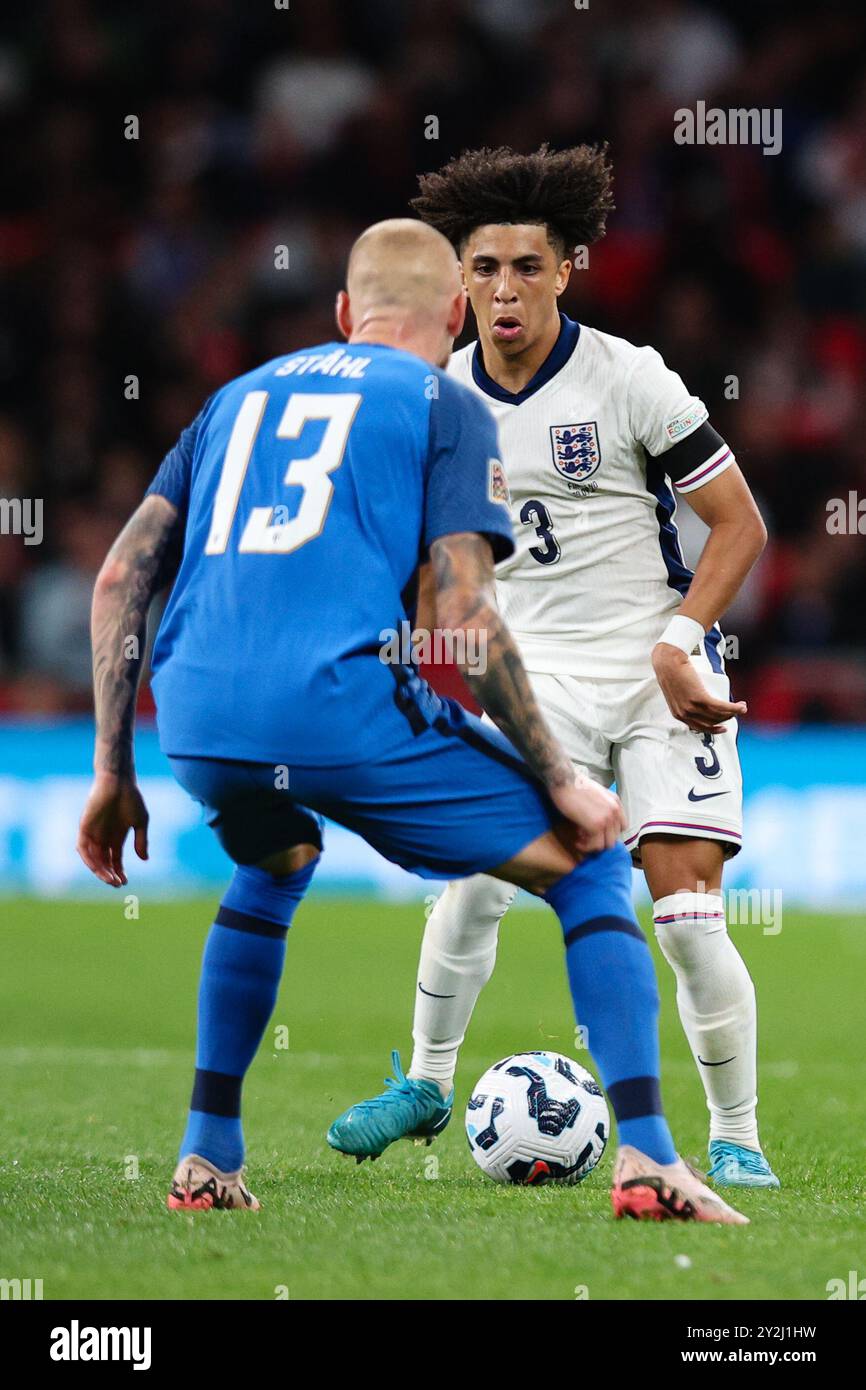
{"type": "Point", "coordinates": [137, 274]}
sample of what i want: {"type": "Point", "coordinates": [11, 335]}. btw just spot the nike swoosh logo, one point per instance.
{"type": "Point", "coordinates": [705, 796]}
{"type": "Point", "coordinates": [431, 995]}
{"type": "Point", "coordinates": [716, 1064]}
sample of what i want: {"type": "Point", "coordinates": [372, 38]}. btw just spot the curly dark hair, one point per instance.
{"type": "Point", "coordinates": [566, 191]}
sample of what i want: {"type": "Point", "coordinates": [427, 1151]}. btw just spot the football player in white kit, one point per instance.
{"type": "Point", "coordinates": [599, 439]}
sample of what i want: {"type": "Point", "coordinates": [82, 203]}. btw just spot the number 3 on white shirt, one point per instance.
{"type": "Point", "coordinates": [260, 535]}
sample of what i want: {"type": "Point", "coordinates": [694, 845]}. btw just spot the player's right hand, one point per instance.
{"type": "Point", "coordinates": [687, 697]}
{"type": "Point", "coordinates": [596, 812]}
{"type": "Point", "coordinates": [114, 807]}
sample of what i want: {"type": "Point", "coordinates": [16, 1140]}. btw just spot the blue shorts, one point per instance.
{"type": "Point", "coordinates": [455, 799]}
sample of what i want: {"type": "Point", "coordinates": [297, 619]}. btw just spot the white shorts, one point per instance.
{"type": "Point", "coordinates": [670, 780]}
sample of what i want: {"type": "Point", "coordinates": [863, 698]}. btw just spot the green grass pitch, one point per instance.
{"type": "Point", "coordinates": [96, 1046]}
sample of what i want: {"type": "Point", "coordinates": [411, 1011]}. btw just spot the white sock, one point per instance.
{"type": "Point", "coordinates": [716, 1001]}
{"type": "Point", "coordinates": [457, 958]}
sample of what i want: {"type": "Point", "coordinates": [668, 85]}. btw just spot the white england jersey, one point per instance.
{"type": "Point", "coordinates": [591, 448]}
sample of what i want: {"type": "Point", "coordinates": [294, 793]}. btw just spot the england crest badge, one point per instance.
{"type": "Point", "coordinates": [576, 450]}
{"type": "Point", "coordinates": [497, 487]}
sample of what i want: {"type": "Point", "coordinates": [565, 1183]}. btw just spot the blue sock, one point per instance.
{"type": "Point", "coordinates": [240, 977]}
{"type": "Point", "coordinates": [613, 987]}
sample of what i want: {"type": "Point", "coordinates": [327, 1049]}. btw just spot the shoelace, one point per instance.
{"type": "Point", "coordinates": [750, 1160]}
{"type": "Point", "coordinates": [399, 1085]}
{"type": "Point", "coordinates": [747, 1160]}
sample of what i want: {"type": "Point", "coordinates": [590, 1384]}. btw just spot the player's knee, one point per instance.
{"type": "Point", "coordinates": [257, 893]}
{"type": "Point", "coordinates": [681, 920]}
{"type": "Point", "coordinates": [480, 900]}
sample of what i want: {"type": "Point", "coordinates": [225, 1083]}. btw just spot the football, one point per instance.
{"type": "Point", "coordinates": [537, 1117]}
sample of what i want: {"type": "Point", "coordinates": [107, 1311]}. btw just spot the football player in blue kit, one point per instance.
{"type": "Point", "coordinates": [291, 517]}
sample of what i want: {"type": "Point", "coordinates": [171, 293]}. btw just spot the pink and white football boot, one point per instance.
{"type": "Point", "coordinates": [198, 1186]}
{"type": "Point", "coordinates": [649, 1191]}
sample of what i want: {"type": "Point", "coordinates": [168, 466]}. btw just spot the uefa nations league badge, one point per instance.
{"type": "Point", "coordinates": [576, 450]}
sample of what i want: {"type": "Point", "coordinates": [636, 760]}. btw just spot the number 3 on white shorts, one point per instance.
{"type": "Point", "coordinates": [260, 535]}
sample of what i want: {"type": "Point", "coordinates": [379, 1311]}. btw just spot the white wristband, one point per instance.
{"type": "Point", "coordinates": [685, 633]}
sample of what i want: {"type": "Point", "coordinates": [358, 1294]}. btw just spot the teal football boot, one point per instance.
{"type": "Point", "coordinates": [408, 1109]}
{"type": "Point", "coordinates": [731, 1165]}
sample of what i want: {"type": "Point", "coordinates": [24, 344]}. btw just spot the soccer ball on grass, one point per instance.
{"type": "Point", "coordinates": [537, 1117]}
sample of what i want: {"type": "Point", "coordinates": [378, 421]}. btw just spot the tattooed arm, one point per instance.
{"type": "Point", "coordinates": [142, 561]}
{"type": "Point", "coordinates": [466, 601]}
{"type": "Point", "coordinates": [425, 606]}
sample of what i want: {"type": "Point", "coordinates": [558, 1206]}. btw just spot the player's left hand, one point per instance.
{"type": "Point", "coordinates": [687, 696]}
{"type": "Point", "coordinates": [114, 807]}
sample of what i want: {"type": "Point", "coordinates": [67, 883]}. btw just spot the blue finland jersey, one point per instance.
{"type": "Point", "coordinates": [312, 487]}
